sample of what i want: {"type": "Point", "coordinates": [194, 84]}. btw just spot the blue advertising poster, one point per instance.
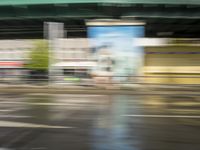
{"type": "Point", "coordinates": [115, 50]}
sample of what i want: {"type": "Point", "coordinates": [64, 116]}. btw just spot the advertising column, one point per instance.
{"type": "Point", "coordinates": [115, 49]}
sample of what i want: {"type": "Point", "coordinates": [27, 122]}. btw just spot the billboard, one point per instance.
{"type": "Point", "coordinates": [115, 50]}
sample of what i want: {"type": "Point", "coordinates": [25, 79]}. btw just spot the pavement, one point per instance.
{"type": "Point", "coordinates": [46, 121]}
{"type": "Point", "coordinates": [139, 89]}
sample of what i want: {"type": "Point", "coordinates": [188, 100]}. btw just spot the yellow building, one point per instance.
{"type": "Point", "coordinates": [172, 64]}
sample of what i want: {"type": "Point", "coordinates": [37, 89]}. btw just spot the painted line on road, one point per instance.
{"type": "Point", "coordinates": [162, 116]}
{"type": "Point", "coordinates": [8, 110]}
{"type": "Point", "coordinates": [48, 104]}
{"type": "Point", "coordinates": [72, 95]}
{"type": "Point", "coordinates": [12, 109]}
{"type": "Point", "coordinates": [14, 116]}
{"type": "Point", "coordinates": [29, 125]}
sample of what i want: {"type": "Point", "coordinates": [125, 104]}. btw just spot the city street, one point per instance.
{"type": "Point", "coordinates": [99, 74]}
{"type": "Point", "coordinates": [99, 122]}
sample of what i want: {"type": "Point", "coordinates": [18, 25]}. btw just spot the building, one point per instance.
{"type": "Point", "coordinates": [24, 19]}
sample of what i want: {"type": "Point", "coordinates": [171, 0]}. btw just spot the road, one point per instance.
{"type": "Point", "coordinates": [99, 122]}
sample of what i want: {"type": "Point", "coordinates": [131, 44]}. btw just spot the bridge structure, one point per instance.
{"type": "Point", "coordinates": [163, 18]}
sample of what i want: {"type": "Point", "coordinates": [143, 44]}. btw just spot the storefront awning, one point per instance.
{"type": "Point", "coordinates": [76, 64]}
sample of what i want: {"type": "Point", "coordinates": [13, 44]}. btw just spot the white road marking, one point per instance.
{"type": "Point", "coordinates": [12, 109]}
{"type": "Point", "coordinates": [29, 125]}
{"type": "Point", "coordinates": [162, 116]}
{"type": "Point", "coordinates": [7, 110]}
{"type": "Point", "coordinates": [46, 104]}
{"type": "Point", "coordinates": [7, 102]}
{"type": "Point", "coordinates": [39, 148]}
{"type": "Point", "coordinates": [5, 149]}
{"type": "Point", "coordinates": [14, 116]}
{"type": "Point", "coordinates": [68, 95]}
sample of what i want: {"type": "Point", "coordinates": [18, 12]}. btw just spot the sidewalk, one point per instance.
{"type": "Point", "coordinates": [140, 89]}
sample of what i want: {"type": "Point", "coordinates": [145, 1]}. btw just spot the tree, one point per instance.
{"type": "Point", "coordinates": [39, 60]}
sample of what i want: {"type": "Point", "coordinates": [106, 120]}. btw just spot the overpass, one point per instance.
{"type": "Point", "coordinates": [164, 18]}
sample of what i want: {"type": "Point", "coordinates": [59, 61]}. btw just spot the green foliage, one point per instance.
{"type": "Point", "coordinates": [39, 57]}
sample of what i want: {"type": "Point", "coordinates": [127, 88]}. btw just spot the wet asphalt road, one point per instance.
{"type": "Point", "coordinates": [99, 122]}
